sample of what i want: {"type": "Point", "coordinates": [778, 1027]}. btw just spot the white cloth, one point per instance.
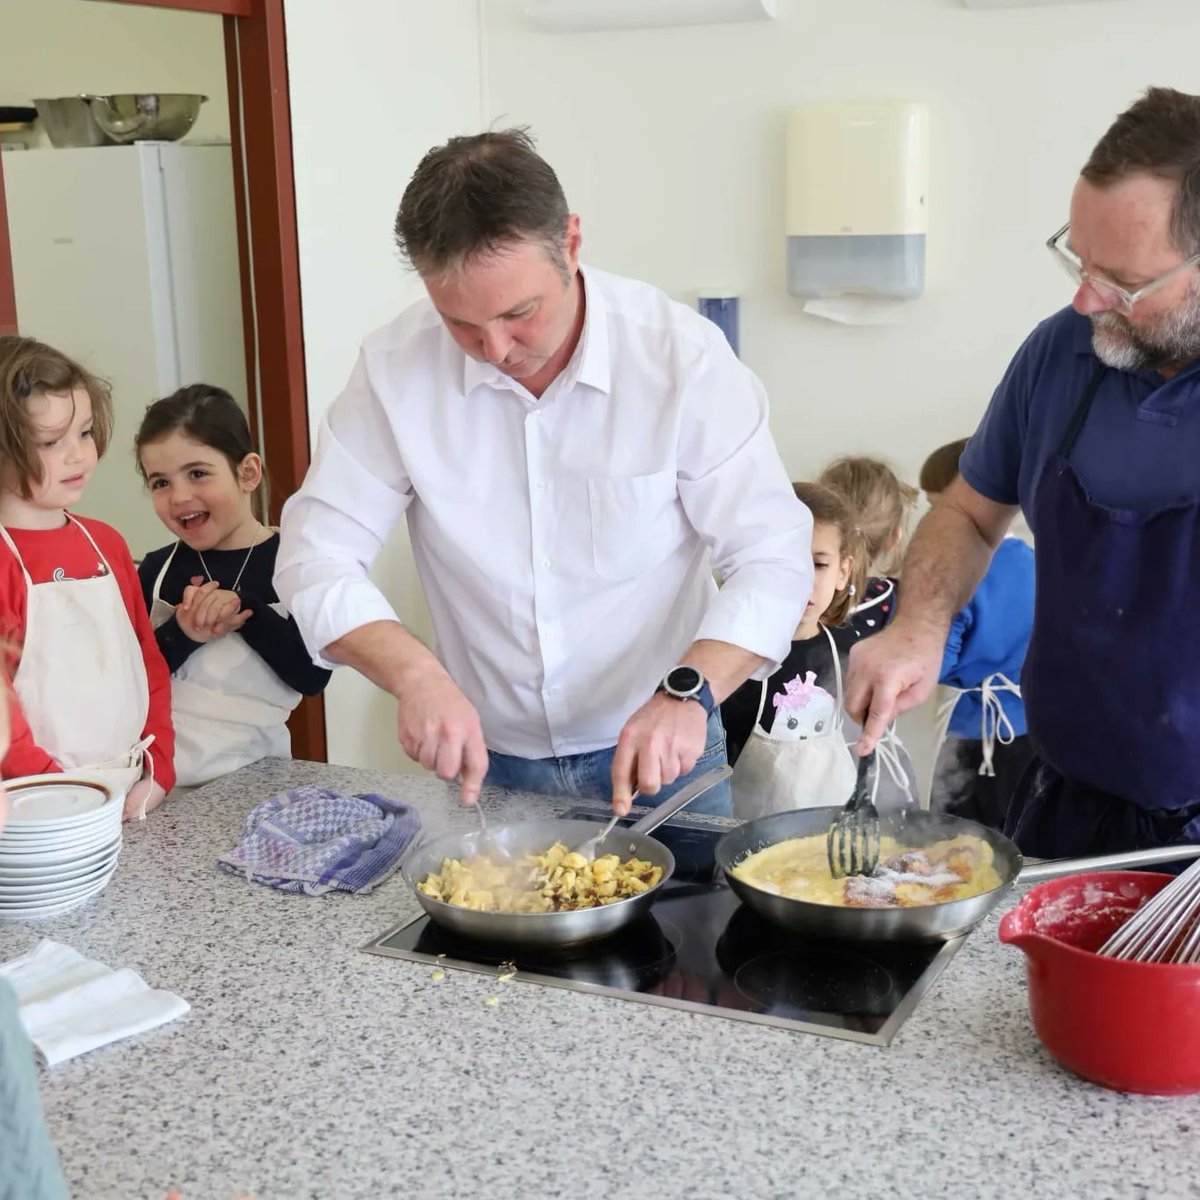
{"type": "Point", "coordinates": [230, 708]}
{"type": "Point", "coordinates": [566, 544]}
{"type": "Point", "coordinates": [70, 1004]}
{"type": "Point", "coordinates": [82, 679]}
{"type": "Point", "coordinates": [803, 762]}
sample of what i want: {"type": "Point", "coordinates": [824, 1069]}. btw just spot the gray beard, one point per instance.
{"type": "Point", "coordinates": [1175, 340]}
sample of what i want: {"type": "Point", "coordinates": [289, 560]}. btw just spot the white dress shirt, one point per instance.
{"type": "Point", "coordinates": [566, 544]}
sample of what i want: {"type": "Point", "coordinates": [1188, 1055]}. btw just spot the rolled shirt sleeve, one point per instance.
{"type": "Point", "coordinates": [739, 498]}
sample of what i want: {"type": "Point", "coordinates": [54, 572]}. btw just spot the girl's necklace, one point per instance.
{"type": "Point", "coordinates": [234, 588]}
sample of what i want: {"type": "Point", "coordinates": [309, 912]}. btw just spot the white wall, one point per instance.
{"type": "Point", "coordinates": [63, 47]}
{"type": "Point", "coordinates": [669, 144]}
{"type": "Point", "coordinates": [373, 85]}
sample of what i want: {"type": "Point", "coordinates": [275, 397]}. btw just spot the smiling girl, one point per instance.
{"type": "Point", "coordinates": [90, 688]}
{"type": "Point", "coordinates": [238, 664]}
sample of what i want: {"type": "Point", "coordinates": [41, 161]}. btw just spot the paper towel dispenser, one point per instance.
{"type": "Point", "coordinates": [857, 176]}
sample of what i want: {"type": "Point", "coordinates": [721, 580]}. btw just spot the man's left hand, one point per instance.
{"type": "Point", "coordinates": [660, 742]}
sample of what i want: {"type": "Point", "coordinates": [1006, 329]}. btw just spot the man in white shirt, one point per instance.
{"type": "Point", "coordinates": [576, 455]}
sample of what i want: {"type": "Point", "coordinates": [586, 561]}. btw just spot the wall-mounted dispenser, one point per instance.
{"type": "Point", "coordinates": [857, 176]}
{"type": "Point", "coordinates": [721, 308]}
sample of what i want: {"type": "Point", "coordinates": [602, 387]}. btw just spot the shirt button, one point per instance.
{"type": "Point", "coordinates": [541, 485]}
{"type": "Point", "coordinates": [545, 562]}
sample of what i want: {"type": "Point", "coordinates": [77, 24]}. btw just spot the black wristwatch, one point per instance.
{"type": "Point", "coordinates": [686, 683]}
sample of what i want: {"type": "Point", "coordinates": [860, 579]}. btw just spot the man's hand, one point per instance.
{"type": "Point", "coordinates": [439, 728]}
{"type": "Point", "coordinates": [888, 674]}
{"type": "Point", "coordinates": [660, 742]}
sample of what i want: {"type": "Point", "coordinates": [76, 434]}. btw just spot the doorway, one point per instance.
{"type": "Point", "coordinates": [261, 142]}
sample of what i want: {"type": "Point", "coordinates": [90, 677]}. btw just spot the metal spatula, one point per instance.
{"type": "Point", "coordinates": [852, 842]}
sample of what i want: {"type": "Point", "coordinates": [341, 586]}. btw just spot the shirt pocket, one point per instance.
{"type": "Point", "coordinates": [637, 522]}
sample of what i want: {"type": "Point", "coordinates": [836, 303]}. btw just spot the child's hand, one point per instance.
{"type": "Point", "coordinates": [207, 611]}
{"type": "Point", "coordinates": [144, 790]}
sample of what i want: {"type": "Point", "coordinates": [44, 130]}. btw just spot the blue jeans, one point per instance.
{"type": "Point", "coordinates": [589, 776]}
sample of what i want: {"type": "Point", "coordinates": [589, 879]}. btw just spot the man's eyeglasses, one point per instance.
{"type": "Point", "coordinates": [1109, 292]}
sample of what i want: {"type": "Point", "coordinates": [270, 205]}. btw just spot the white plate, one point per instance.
{"type": "Point", "coordinates": [18, 874]}
{"type": "Point", "coordinates": [75, 845]}
{"type": "Point", "coordinates": [53, 909]}
{"type": "Point", "coordinates": [56, 896]}
{"type": "Point", "coordinates": [22, 896]}
{"type": "Point", "coordinates": [40, 858]}
{"type": "Point", "coordinates": [62, 837]}
{"type": "Point", "coordinates": [53, 801]}
{"type": "Point", "coordinates": [24, 889]}
{"type": "Point", "coordinates": [107, 819]}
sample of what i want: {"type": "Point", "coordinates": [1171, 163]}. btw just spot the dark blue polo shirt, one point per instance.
{"type": "Point", "coordinates": [1140, 448]}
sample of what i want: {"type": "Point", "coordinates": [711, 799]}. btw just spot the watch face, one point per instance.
{"type": "Point", "coordinates": [684, 679]}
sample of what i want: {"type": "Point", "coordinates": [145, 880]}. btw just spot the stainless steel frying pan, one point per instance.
{"type": "Point", "coordinates": [525, 837]}
{"type": "Point", "coordinates": [928, 922]}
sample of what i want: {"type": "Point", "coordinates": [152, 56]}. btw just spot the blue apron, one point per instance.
{"type": "Point", "coordinates": [1112, 676]}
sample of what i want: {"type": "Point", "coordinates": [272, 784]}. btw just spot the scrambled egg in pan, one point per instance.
{"type": "Point", "coordinates": [948, 870]}
{"type": "Point", "coordinates": [556, 881]}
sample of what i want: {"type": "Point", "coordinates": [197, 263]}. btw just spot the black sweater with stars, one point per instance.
{"type": "Point", "coordinates": [274, 638]}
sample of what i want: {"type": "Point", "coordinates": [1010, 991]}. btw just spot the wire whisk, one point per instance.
{"type": "Point", "coordinates": [1167, 929]}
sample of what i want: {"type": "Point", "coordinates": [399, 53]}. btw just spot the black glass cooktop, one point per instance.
{"type": "Point", "coordinates": [701, 950]}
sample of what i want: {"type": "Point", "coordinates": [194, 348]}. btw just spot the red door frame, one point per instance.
{"type": "Point", "coordinates": [261, 133]}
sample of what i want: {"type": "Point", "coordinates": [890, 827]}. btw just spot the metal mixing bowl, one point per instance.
{"type": "Point", "coordinates": [147, 116]}
{"type": "Point", "coordinates": [68, 122]}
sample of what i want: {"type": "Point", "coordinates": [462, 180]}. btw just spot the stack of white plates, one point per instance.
{"type": "Point", "coordinates": [60, 845]}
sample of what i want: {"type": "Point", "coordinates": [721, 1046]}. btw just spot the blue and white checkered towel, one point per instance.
{"type": "Point", "coordinates": [313, 841]}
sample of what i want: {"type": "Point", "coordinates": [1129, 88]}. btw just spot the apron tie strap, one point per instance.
{"type": "Point", "coordinates": [995, 725]}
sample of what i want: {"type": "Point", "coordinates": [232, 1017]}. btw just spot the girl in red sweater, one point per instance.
{"type": "Point", "coordinates": [91, 690]}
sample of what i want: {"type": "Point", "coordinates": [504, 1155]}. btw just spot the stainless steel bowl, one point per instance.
{"type": "Point", "coordinates": [147, 116]}
{"type": "Point", "coordinates": [68, 122]}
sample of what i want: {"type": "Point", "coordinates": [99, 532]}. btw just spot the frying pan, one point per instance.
{"type": "Point", "coordinates": [913, 829]}
{"type": "Point", "coordinates": [535, 837]}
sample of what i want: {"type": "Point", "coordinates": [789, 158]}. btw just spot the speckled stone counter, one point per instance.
{"type": "Point", "coordinates": [307, 1068]}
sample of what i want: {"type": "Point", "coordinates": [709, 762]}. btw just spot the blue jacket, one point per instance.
{"type": "Point", "coordinates": [991, 635]}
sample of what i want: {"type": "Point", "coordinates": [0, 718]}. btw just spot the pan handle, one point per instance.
{"type": "Point", "coordinates": [1054, 867]}
{"type": "Point", "coordinates": [668, 808]}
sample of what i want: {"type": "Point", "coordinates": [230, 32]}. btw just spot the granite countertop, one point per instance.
{"type": "Point", "coordinates": [307, 1068]}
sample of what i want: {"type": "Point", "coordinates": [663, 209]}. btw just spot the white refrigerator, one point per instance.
{"type": "Point", "coordinates": [125, 258]}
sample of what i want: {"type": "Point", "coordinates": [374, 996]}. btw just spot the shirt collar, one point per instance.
{"type": "Point", "coordinates": [589, 364]}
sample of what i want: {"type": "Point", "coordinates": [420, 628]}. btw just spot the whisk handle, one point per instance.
{"type": "Point", "coordinates": [1054, 867]}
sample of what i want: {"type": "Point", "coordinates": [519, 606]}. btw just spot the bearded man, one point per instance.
{"type": "Point", "coordinates": [1094, 433]}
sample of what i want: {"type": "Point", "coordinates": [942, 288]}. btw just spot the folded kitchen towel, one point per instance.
{"type": "Point", "coordinates": [312, 841]}
{"type": "Point", "coordinates": [70, 1004]}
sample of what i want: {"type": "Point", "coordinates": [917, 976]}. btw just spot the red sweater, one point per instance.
{"type": "Point", "coordinates": [68, 551]}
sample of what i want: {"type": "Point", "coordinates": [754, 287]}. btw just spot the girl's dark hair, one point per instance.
{"type": "Point", "coordinates": [831, 508]}
{"type": "Point", "coordinates": [205, 413]}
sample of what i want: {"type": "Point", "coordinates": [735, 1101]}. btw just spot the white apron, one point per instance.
{"type": "Point", "coordinates": [803, 762]}
{"type": "Point", "coordinates": [82, 679]}
{"type": "Point", "coordinates": [994, 723]}
{"type": "Point", "coordinates": [230, 708]}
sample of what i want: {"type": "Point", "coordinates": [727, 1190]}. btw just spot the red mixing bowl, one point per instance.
{"type": "Point", "coordinates": [1134, 1027]}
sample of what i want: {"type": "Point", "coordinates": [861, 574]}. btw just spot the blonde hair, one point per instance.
{"type": "Point", "coordinates": [29, 369]}
{"type": "Point", "coordinates": [882, 504]}
{"type": "Point", "coordinates": [830, 508]}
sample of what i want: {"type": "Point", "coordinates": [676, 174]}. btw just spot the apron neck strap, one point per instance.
{"type": "Point", "coordinates": [1080, 413]}
{"type": "Point", "coordinates": [16, 554]}
{"type": "Point", "coordinates": [156, 594]}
